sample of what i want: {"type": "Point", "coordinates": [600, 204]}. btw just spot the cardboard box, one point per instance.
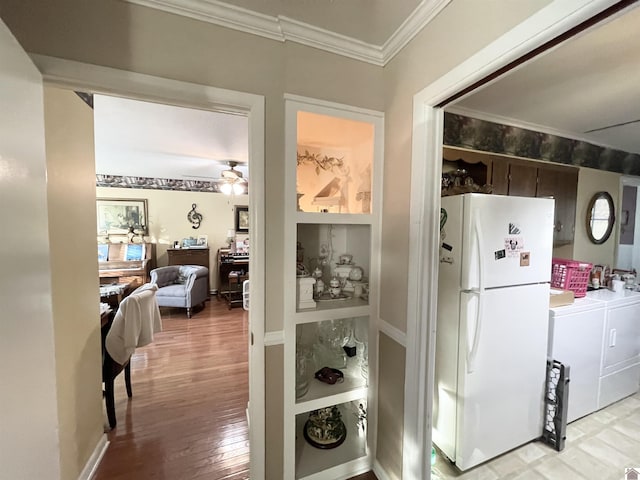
{"type": "Point", "coordinates": [559, 298]}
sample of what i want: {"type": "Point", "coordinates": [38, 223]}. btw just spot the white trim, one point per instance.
{"type": "Point", "coordinates": [312, 36]}
{"type": "Point", "coordinates": [333, 106]}
{"type": "Point", "coordinates": [272, 338]}
{"type": "Point", "coordinates": [426, 11]}
{"type": "Point", "coordinates": [392, 332]}
{"type": "Point", "coordinates": [380, 472]}
{"type": "Point", "coordinates": [91, 466]}
{"type": "Point", "coordinates": [293, 104]}
{"type": "Point", "coordinates": [552, 20]}
{"type": "Point", "coordinates": [96, 79]}
{"type": "Point", "coordinates": [281, 28]}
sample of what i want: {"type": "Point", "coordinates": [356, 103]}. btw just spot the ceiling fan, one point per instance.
{"type": "Point", "coordinates": [232, 181]}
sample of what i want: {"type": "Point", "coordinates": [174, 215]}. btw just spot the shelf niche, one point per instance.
{"type": "Point", "coordinates": [322, 245]}
{"type": "Point", "coordinates": [316, 463]}
{"type": "Point", "coordinates": [334, 164]}
{"type": "Point", "coordinates": [314, 342]}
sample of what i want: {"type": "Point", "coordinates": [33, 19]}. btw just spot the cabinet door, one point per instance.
{"type": "Point", "coordinates": [523, 179]}
{"type": "Point", "coordinates": [500, 177]}
{"type": "Point", "coordinates": [561, 183]}
{"type": "Point", "coordinates": [621, 339]}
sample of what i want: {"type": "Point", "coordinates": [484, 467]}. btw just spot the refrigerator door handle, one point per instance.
{"type": "Point", "coordinates": [473, 351]}
{"type": "Point", "coordinates": [480, 258]}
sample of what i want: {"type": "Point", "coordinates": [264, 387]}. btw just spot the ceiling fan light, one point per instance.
{"type": "Point", "coordinates": [226, 188]}
{"type": "Point", "coordinates": [238, 189]}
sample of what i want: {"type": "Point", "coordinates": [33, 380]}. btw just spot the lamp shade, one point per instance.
{"type": "Point", "coordinates": [226, 188]}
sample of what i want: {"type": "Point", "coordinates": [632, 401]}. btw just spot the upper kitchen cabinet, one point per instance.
{"type": "Point", "coordinates": [514, 177]}
{"type": "Point", "coordinates": [335, 159]}
{"type": "Point", "coordinates": [519, 177]}
{"type": "Point", "coordinates": [561, 183]}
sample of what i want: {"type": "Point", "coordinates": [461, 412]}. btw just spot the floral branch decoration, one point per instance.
{"type": "Point", "coordinates": [321, 162]}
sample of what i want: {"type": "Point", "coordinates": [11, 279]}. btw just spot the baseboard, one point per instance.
{"type": "Point", "coordinates": [380, 472]}
{"type": "Point", "coordinates": [91, 466]}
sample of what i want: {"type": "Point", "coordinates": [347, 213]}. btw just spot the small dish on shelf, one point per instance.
{"type": "Point", "coordinates": [326, 297]}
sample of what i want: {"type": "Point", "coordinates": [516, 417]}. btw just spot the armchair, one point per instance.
{"type": "Point", "coordinates": [182, 286]}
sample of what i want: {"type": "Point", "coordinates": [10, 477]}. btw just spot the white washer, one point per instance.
{"type": "Point", "coordinates": [575, 339]}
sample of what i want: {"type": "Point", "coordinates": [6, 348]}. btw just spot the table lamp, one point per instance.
{"type": "Point", "coordinates": [231, 240]}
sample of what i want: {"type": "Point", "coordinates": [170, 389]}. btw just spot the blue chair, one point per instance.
{"type": "Point", "coordinates": [182, 286]}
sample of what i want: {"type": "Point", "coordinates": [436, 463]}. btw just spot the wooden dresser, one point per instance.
{"type": "Point", "coordinates": [191, 256]}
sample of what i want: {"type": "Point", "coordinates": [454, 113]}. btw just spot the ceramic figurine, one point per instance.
{"type": "Point", "coordinates": [335, 289]}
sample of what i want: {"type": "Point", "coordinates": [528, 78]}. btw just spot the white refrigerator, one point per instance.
{"type": "Point", "coordinates": [492, 327]}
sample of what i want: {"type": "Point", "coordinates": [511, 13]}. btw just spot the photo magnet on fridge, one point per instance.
{"type": "Point", "coordinates": [525, 257]}
{"type": "Point", "coordinates": [500, 254]}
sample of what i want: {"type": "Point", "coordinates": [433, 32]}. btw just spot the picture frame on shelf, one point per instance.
{"type": "Point", "coordinates": [241, 214]}
{"type": "Point", "coordinates": [116, 216]}
{"type": "Point", "coordinates": [202, 241]}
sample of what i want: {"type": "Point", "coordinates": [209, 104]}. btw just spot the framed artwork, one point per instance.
{"type": "Point", "coordinates": [116, 216]}
{"type": "Point", "coordinates": [202, 241]}
{"type": "Point", "coordinates": [242, 218]}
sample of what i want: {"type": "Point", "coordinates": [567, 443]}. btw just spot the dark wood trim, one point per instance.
{"type": "Point", "coordinates": [608, 12]}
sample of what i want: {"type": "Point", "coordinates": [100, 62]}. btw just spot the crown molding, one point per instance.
{"type": "Point", "coordinates": [283, 29]}
{"type": "Point", "coordinates": [414, 23]}
{"type": "Point", "coordinates": [312, 36]}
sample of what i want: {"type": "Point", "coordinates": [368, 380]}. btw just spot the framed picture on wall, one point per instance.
{"type": "Point", "coordinates": [116, 216]}
{"type": "Point", "coordinates": [242, 218]}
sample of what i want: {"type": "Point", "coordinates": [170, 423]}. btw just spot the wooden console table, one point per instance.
{"type": "Point", "coordinates": [191, 256]}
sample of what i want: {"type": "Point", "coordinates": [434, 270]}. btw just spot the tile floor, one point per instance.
{"type": "Point", "coordinates": [598, 447]}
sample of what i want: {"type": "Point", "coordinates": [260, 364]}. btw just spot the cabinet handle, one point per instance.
{"type": "Point", "coordinates": [612, 337]}
{"type": "Point", "coordinates": [558, 226]}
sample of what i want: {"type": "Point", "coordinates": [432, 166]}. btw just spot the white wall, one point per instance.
{"type": "Point", "coordinates": [168, 219]}
{"type": "Point", "coordinates": [29, 444]}
{"type": "Point", "coordinates": [70, 169]}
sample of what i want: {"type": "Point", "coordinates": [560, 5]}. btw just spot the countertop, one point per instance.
{"type": "Point", "coordinates": [625, 297]}
{"type": "Point", "coordinates": [598, 299]}
{"type": "Point", "coordinates": [578, 305]}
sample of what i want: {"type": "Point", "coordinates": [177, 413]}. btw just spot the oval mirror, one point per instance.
{"type": "Point", "coordinates": [600, 217]}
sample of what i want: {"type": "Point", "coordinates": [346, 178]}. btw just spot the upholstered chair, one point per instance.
{"type": "Point", "coordinates": [182, 286]}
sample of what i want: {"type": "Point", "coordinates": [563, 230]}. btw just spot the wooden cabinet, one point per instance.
{"type": "Point", "coordinates": [227, 263]}
{"type": "Point", "coordinates": [524, 178]}
{"type": "Point", "coordinates": [561, 183]}
{"type": "Point", "coordinates": [191, 256]}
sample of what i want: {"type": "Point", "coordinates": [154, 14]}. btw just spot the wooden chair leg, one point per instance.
{"type": "Point", "coordinates": [110, 402]}
{"type": "Point", "coordinates": [127, 379]}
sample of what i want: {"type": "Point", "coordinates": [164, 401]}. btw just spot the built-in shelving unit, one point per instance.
{"type": "Point", "coordinates": [333, 178]}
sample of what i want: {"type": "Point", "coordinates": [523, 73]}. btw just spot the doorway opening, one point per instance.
{"type": "Point", "coordinates": [174, 160]}
{"type": "Point", "coordinates": [77, 76]}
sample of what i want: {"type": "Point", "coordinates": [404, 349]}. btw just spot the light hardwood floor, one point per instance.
{"type": "Point", "coordinates": [186, 419]}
